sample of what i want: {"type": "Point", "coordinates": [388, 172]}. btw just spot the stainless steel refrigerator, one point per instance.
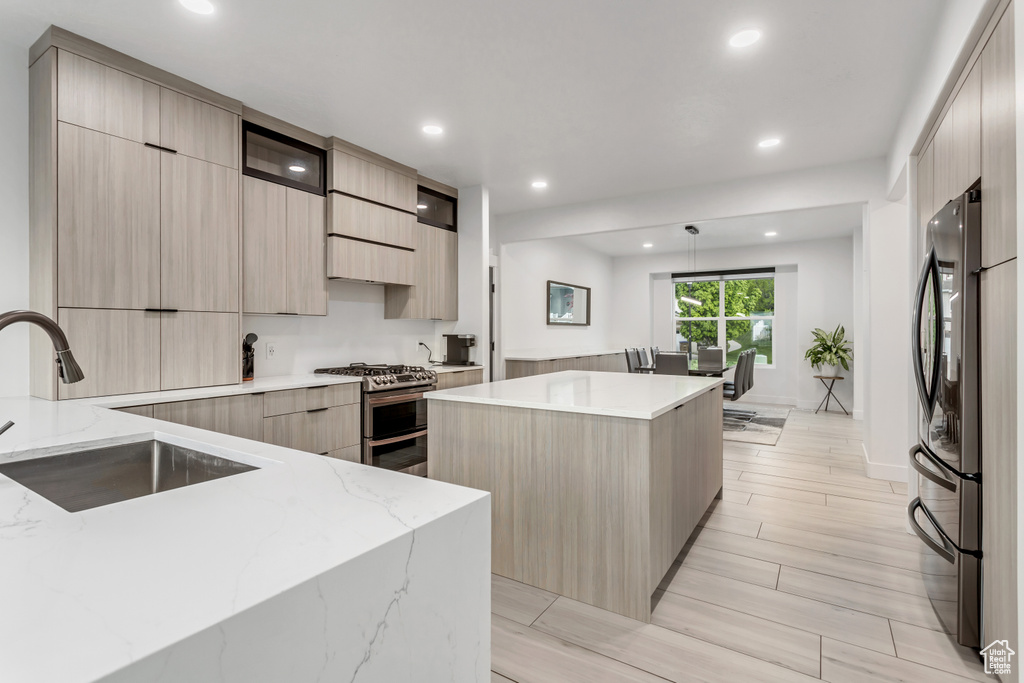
{"type": "Point", "coordinates": [946, 514]}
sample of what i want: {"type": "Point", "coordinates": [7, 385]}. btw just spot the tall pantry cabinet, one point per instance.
{"type": "Point", "coordinates": [977, 137]}
{"type": "Point", "coordinates": [134, 222]}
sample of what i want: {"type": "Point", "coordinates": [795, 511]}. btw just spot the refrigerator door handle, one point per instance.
{"type": "Point", "coordinates": [948, 549]}
{"type": "Point", "coordinates": [930, 272]}
{"type": "Point", "coordinates": [940, 477]}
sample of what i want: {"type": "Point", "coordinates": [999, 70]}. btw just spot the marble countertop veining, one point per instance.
{"type": "Point", "coordinates": [616, 394]}
{"type": "Point", "coordinates": [85, 594]}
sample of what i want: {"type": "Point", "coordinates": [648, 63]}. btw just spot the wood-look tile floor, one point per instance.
{"type": "Point", "coordinates": [803, 571]}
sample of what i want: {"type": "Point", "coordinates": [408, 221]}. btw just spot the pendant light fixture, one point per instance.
{"type": "Point", "coordinates": [692, 251]}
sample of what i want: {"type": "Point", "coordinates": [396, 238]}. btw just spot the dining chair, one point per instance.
{"type": "Point", "coordinates": [672, 364]}
{"type": "Point", "coordinates": [643, 364]}
{"type": "Point", "coordinates": [631, 362]}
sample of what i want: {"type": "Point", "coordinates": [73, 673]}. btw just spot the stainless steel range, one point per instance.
{"type": "Point", "coordinates": [394, 414]}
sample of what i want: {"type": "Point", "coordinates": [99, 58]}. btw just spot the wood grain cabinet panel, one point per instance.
{"type": "Point", "coordinates": [240, 416]}
{"type": "Point", "coordinates": [103, 99]}
{"type": "Point", "coordinates": [264, 247]}
{"type": "Point", "coordinates": [354, 260]}
{"type": "Point", "coordinates": [108, 221]}
{"type": "Point", "coordinates": [998, 145]}
{"type": "Point", "coordinates": [966, 114]}
{"type": "Point", "coordinates": [348, 453]}
{"type": "Point", "coordinates": [925, 191]}
{"type": "Point", "coordinates": [434, 294]}
{"type": "Point", "coordinates": [119, 351]}
{"type": "Point", "coordinates": [306, 275]}
{"type": "Point", "coordinates": [361, 178]}
{"type": "Point", "coordinates": [999, 451]}
{"type": "Point", "coordinates": [199, 235]}
{"type": "Point", "coordinates": [198, 129]}
{"type": "Point", "coordinates": [362, 220]}
{"type": "Point", "coordinates": [943, 151]}
{"type": "Point", "coordinates": [465, 378]}
{"type": "Point", "coordinates": [141, 411]}
{"type": "Point", "coordinates": [317, 431]}
{"type": "Point", "coordinates": [199, 349]}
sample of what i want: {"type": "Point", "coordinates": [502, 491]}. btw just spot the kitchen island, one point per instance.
{"type": "Point", "coordinates": [304, 568]}
{"type": "Point", "coordinates": [597, 479]}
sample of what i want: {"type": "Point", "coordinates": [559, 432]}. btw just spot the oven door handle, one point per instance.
{"type": "Point", "coordinates": [390, 400]}
{"type": "Point", "coordinates": [396, 439]}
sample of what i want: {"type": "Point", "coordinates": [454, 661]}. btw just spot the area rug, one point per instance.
{"type": "Point", "coordinates": [764, 429]}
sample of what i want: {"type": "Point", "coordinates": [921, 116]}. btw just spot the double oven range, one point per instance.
{"type": "Point", "coordinates": [394, 416]}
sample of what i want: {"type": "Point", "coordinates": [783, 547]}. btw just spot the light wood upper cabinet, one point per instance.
{"type": "Point", "coordinates": [434, 294]}
{"type": "Point", "coordinates": [306, 276]}
{"type": "Point", "coordinates": [119, 351]}
{"type": "Point", "coordinates": [240, 416]}
{"type": "Point", "coordinates": [103, 99]}
{"type": "Point", "coordinates": [942, 147]}
{"type": "Point", "coordinates": [198, 129]}
{"type": "Point", "coordinates": [362, 220]}
{"type": "Point", "coordinates": [356, 176]}
{"type": "Point", "coordinates": [199, 349]}
{"type": "Point", "coordinates": [284, 249]}
{"type": "Point", "coordinates": [349, 259]}
{"type": "Point", "coordinates": [998, 145]}
{"type": "Point", "coordinates": [265, 248]}
{"type": "Point", "coordinates": [999, 450]}
{"type": "Point", "coordinates": [966, 112]}
{"type": "Point", "coordinates": [199, 235]}
{"type": "Point", "coordinates": [925, 190]}
{"type": "Point", "coordinates": [108, 221]}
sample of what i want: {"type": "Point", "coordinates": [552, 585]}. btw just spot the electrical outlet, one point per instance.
{"type": "Point", "coordinates": [271, 349]}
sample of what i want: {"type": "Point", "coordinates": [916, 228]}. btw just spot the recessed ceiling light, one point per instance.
{"type": "Point", "coordinates": [198, 6]}
{"type": "Point", "coordinates": [295, 168]}
{"type": "Point", "coordinates": [539, 184]}
{"type": "Point", "coordinates": [770, 142]}
{"type": "Point", "coordinates": [745, 38]}
{"type": "Point", "coordinates": [421, 206]}
{"type": "Point", "coordinates": [433, 130]}
{"type": "Point", "coordinates": [770, 234]}
{"type": "Point", "coordinates": [647, 245]}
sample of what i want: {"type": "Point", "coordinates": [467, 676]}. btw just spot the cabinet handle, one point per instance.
{"type": "Point", "coordinates": [161, 310]}
{"type": "Point", "coordinates": [285, 313]}
{"type": "Point", "coordinates": [161, 149]}
{"type": "Point", "coordinates": [326, 453]}
{"type": "Point", "coordinates": [316, 410]}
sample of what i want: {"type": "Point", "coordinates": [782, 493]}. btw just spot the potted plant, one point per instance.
{"type": "Point", "coordinates": [830, 348]}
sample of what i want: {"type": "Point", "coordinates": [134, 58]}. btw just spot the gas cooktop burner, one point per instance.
{"type": "Point", "coordinates": [378, 377]}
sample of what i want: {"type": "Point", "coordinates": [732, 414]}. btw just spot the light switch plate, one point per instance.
{"type": "Point", "coordinates": [271, 349]}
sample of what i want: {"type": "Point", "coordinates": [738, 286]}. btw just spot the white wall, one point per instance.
{"type": "Point", "coordinates": [354, 330]}
{"type": "Point", "coordinates": [525, 269]}
{"type": "Point", "coordinates": [814, 288]}
{"type": "Point", "coordinates": [474, 277]}
{"type": "Point", "coordinates": [13, 215]}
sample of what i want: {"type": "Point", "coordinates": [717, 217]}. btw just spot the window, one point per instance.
{"type": "Point", "coordinates": [733, 310]}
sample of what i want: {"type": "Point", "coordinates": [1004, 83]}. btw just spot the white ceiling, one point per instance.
{"type": "Point", "coordinates": [792, 226]}
{"type": "Point", "coordinates": [599, 97]}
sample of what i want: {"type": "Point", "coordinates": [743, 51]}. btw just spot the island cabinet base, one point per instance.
{"type": "Point", "coordinates": [592, 507]}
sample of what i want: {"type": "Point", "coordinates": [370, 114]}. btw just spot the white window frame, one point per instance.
{"type": "Point", "coordinates": [722, 319]}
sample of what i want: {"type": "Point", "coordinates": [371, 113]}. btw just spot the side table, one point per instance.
{"type": "Point", "coordinates": [828, 383]}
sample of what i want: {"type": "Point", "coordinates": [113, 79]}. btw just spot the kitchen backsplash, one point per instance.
{"type": "Point", "coordinates": [353, 331]}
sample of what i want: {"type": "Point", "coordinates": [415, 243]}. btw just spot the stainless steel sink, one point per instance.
{"type": "Point", "coordinates": [100, 476]}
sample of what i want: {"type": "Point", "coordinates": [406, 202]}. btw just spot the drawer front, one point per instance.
{"type": "Point", "coordinates": [332, 395]}
{"type": "Point", "coordinates": [319, 431]}
{"type": "Point", "coordinates": [363, 220]}
{"type": "Point", "coordinates": [240, 416]}
{"type": "Point", "coordinates": [353, 260]}
{"type": "Point", "coordinates": [284, 402]}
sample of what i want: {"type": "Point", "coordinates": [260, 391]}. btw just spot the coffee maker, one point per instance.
{"type": "Point", "coordinates": [458, 346]}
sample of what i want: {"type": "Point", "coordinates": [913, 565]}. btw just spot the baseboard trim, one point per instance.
{"type": "Point", "coordinates": [876, 470]}
{"type": "Point", "coordinates": [858, 415]}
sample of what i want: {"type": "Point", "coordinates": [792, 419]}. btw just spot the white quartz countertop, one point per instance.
{"type": "Point", "coordinates": [554, 354]}
{"type": "Point", "coordinates": [84, 594]}
{"type": "Point", "coordinates": [256, 386]}
{"type": "Point", "coordinates": [617, 394]}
